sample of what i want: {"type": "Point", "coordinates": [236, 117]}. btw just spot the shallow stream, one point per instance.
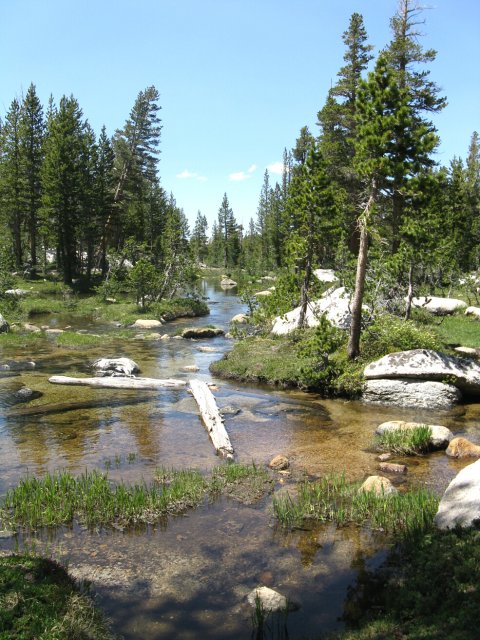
{"type": "Point", "coordinates": [188, 577]}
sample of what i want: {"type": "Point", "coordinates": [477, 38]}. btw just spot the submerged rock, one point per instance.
{"type": "Point", "coordinates": [17, 365]}
{"type": "Point", "coordinates": [411, 393]}
{"type": "Point", "coordinates": [392, 467]}
{"type": "Point", "coordinates": [279, 463]}
{"type": "Point", "coordinates": [269, 599]}
{"type": "Point", "coordinates": [116, 367]}
{"type": "Point", "coordinates": [439, 438]}
{"type": "Point", "coordinates": [146, 324]}
{"type": "Point", "coordinates": [202, 332]}
{"type": "Point", "coordinates": [462, 448]}
{"type": "Point", "coordinates": [460, 505]}
{"type": "Point", "coordinates": [227, 283]}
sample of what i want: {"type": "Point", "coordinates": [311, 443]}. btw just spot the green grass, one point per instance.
{"type": "Point", "coordinates": [333, 499]}
{"type": "Point", "coordinates": [91, 498]}
{"type": "Point", "coordinates": [460, 330]}
{"type": "Point", "coordinates": [405, 441]}
{"type": "Point", "coordinates": [79, 340]}
{"type": "Point", "coordinates": [38, 599]}
{"type": "Point", "coordinates": [427, 591]}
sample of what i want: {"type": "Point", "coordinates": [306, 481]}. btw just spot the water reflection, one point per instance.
{"type": "Point", "coordinates": [189, 579]}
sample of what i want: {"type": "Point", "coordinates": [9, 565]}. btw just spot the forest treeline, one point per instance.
{"type": "Point", "coordinates": [366, 182]}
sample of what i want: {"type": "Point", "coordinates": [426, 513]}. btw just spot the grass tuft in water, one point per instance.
{"type": "Point", "coordinates": [408, 442]}
{"type": "Point", "coordinates": [333, 499]}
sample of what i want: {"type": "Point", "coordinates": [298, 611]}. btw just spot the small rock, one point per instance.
{"type": "Point", "coordinates": [146, 324]}
{"type": "Point", "coordinates": [31, 328]}
{"type": "Point", "coordinates": [54, 332]}
{"type": "Point", "coordinates": [229, 410]}
{"type": "Point", "coordinates": [391, 467]}
{"type": "Point", "coordinates": [226, 283]}
{"type": "Point", "coordinates": [4, 326]}
{"type": "Point", "coordinates": [111, 300]}
{"type": "Point", "coordinates": [165, 337]}
{"type": "Point", "coordinates": [6, 534]}
{"type": "Point", "coordinates": [269, 599]}
{"type": "Point", "coordinates": [191, 367]}
{"type": "Point", "coordinates": [25, 394]}
{"type": "Point", "coordinates": [462, 448]}
{"type": "Point", "coordinates": [468, 351]}
{"type": "Point", "coordinates": [240, 318]}
{"type": "Point", "coordinates": [153, 336]}
{"type": "Point", "coordinates": [207, 349]}
{"type": "Point", "coordinates": [378, 485]}
{"type": "Point", "coordinates": [439, 439]}
{"type": "Point", "coordinates": [17, 293]}
{"type": "Point", "coordinates": [263, 294]}
{"type": "Point", "coordinates": [473, 311]}
{"type": "Point", "coordinates": [383, 457]}
{"type": "Point", "coordinates": [279, 463]}
{"type": "Point", "coordinates": [202, 332]}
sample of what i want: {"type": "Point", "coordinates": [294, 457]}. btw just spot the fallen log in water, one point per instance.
{"type": "Point", "coordinates": [119, 382]}
{"type": "Point", "coordinates": [211, 417]}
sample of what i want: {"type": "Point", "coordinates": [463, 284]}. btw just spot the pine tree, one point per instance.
{"type": "Point", "coordinates": [406, 57]}
{"type": "Point", "coordinates": [12, 180]}
{"type": "Point", "coordinates": [199, 238]}
{"type": "Point", "coordinates": [63, 174]}
{"type": "Point", "coordinates": [338, 124]}
{"type": "Point", "coordinates": [136, 149]}
{"type": "Point", "coordinates": [311, 214]}
{"type": "Point", "coordinates": [230, 234]}
{"type": "Point", "coordinates": [32, 138]}
{"type": "Point", "coordinates": [104, 192]}
{"type": "Point", "coordinates": [392, 147]}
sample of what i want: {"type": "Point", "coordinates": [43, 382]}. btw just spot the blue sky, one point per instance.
{"type": "Point", "coordinates": [237, 78]}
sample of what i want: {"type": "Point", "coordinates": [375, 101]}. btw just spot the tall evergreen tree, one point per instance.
{"type": "Point", "coordinates": [338, 124]}
{"type": "Point", "coordinates": [407, 58]}
{"type": "Point", "coordinates": [32, 138]}
{"type": "Point", "coordinates": [63, 179]}
{"type": "Point", "coordinates": [311, 213]}
{"type": "Point", "coordinates": [199, 238]}
{"type": "Point", "coordinates": [229, 233]}
{"type": "Point", "coordinates": [12, 179]}
{"type": "Point", "coordinates": [392, 147]}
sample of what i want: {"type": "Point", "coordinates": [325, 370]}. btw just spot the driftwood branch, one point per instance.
{"type": "Point", "coordinates": [212, 419]}
{"type": "Point", "coordinates": [119, 382]}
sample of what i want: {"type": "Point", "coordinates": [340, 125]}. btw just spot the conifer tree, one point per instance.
{"type": "Point", "coordinates": [63, 175]}
{"type": "Point", "coordinates": [12, 180]}
{"type": "Point", "coordinates": [311, 216]}
{"type": "Point", "coordinates": [229, 232]}
{"type": "Point", "coordinates": [199, 238]}
{"type": "Point", "coordinates": [32, 138]}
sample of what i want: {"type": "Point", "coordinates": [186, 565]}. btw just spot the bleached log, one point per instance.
{"type": "Point", "coordinates": [212, 419]}
{"type": "Point", "coordinates": [119, 382]}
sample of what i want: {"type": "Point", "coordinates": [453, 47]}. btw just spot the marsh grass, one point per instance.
{"type": "Point", "coordinates": [73, 340]}
{"type": "Point", "coordinates": [93, 499]}
{"type": "Point", "coordinates": [408, 442]}
{"type": "Point", "coordinates": [269, 625]}
{"type": "Point", "coordinates": [38, 599]}
{"type": "Point", "coordinates": [333, 499]}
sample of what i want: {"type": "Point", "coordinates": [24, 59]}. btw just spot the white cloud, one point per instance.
{"type": "Point", "coordinates": [189, 174]}
{"type": "Point", "coordinates": [275, 167]}
{"type": "Point", "coordinates": [239, 176]}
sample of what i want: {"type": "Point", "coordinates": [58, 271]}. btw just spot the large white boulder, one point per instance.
{"type": "Point", "coordinates": [144, 323]}
{"type": "Point", "coordinates": [269, 599]}
{"type": "Point", "coordinates": [473, 311]}
{"type": "Point", "coordinates": [439, 306]}
{"type": "Point", "coordinates": [116, 367]}
{"type": "Point", "coordinates": [334, 304]}
{"type": "Point", "coordinates": [325, 275]}
{"type": "Point", "coordinates": [460, 505]}
{"type": "Point", "coordinates": [426, 364]}
{"type": "Point", "coordinates": [411, 393]}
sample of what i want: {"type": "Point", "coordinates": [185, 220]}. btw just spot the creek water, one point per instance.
{"type": "Point", "coordinates": [188, 576]}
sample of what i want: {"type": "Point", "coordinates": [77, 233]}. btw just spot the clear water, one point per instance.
{"type": "Point", "coordinates": [189, 576]}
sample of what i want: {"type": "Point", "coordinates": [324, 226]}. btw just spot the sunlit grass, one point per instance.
{"type": "Point", "coordinates": [333, 499]}
{"type": "Point", "coordinates": [405, 441]}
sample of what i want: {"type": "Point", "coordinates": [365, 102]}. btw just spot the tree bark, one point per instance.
{"type": "Point", "coordinates": [212, 419]}
{"type": "Point", "coordinates": [119, 382]}
{"type": "Point", "coordinates": [353, 348]}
